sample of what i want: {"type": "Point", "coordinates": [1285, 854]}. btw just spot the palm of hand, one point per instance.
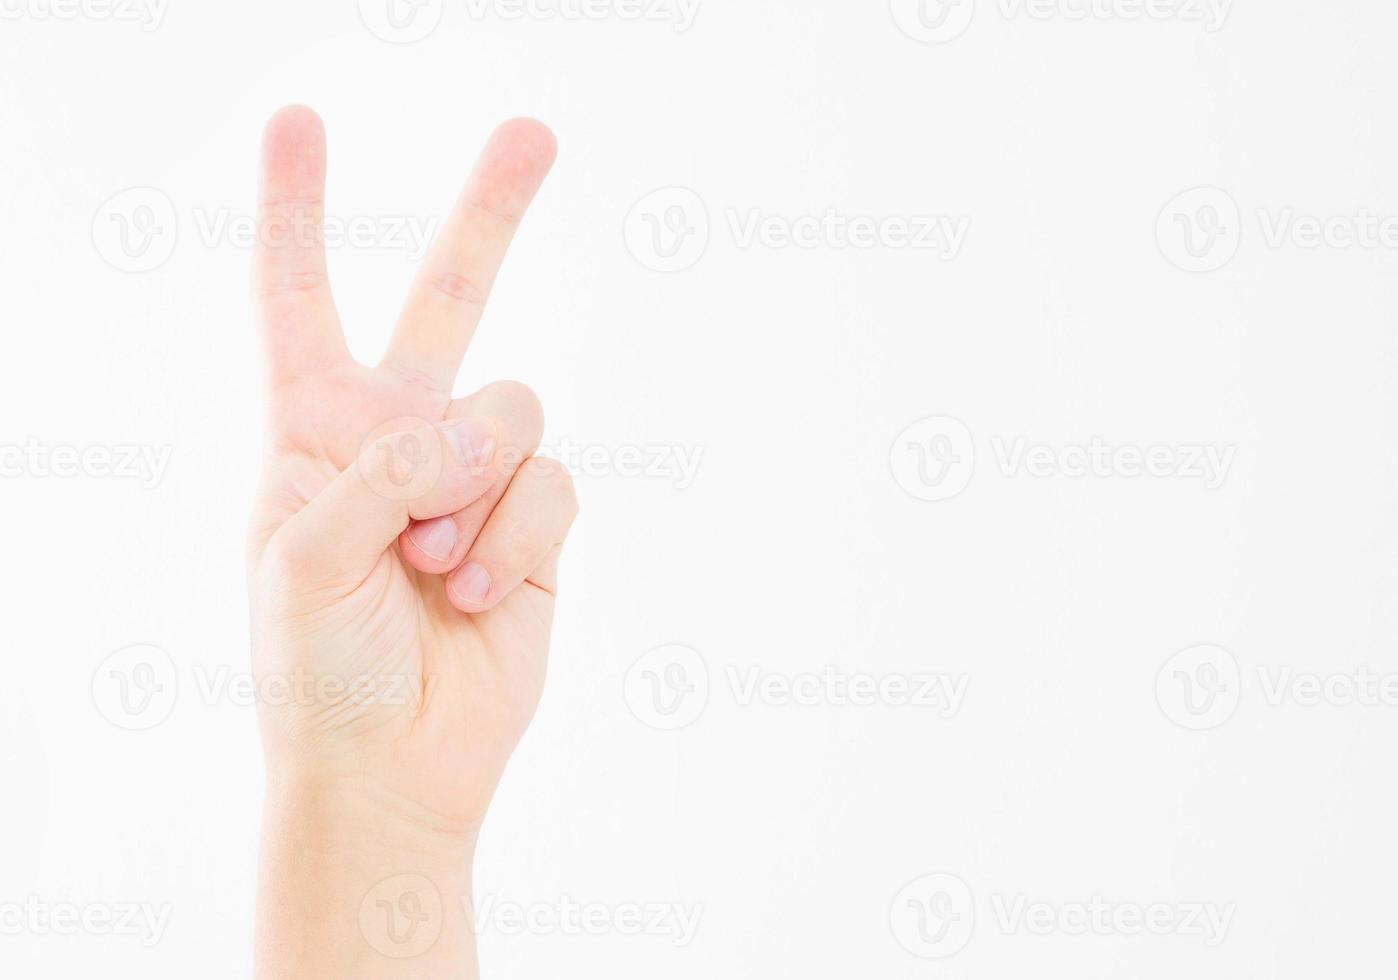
{"type": "Point", "coordinates": [427, 697]}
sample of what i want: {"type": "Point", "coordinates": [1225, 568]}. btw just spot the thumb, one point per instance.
{"type": "Point", "coordinates": [401, 475]}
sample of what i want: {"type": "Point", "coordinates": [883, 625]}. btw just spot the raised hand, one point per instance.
{"type": "Point", "coordinates": [403, 566]}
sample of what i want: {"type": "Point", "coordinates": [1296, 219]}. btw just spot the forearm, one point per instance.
{"type": "Point", "coordinates": [347, 888]}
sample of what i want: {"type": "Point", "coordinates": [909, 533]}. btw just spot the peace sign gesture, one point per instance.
{"type": "Point", "coordinates": [404, 548]}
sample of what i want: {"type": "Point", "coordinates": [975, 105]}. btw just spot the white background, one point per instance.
{"type": "Point", "coordinates": [801, 544]}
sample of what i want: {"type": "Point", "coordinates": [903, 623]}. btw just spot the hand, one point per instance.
{"type": "Point", "coordinates": [403, 565]}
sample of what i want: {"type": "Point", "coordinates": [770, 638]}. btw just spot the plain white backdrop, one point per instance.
{"type": "Point", "coordinates": [984, 424]}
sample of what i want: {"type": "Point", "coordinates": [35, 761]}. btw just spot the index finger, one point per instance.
{"type": "Point", "coordinates": [450, 292]}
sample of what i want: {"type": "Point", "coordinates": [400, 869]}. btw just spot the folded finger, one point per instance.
{"type": "Point", "coordinates": [438, 545]}
{"type": "Point", "coordinates": [523, 531]}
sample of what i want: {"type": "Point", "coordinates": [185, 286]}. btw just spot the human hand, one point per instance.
{"type": "Point", "coordinates": [403, 565]}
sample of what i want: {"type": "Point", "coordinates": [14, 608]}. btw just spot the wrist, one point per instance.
{"type": "Point", "coordinates": [355, 880]}
{"type": "Point", "coordinates": [360, 811]}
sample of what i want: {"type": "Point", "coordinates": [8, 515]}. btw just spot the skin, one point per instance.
{"type": "Point", "coordinates": [402, 571]}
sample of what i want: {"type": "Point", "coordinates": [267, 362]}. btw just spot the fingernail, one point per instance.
{"type": "Point", "coordinates": [435, 538]}
{"type": "Point", "coordinates": [472, 583]}
{"type": "Point", "coordinates": [473, 440]}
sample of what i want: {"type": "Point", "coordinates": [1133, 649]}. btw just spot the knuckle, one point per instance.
{"type": "Point", "coordinates": [274, 285]}
{"type": "Point", "coordinates": [517, 395]}
{"type": "Point", "coordinates": [288, 557]}
{"type": "Point", "coordinates": [519, 536]}
{"type": "Point", "coordinates": [458, 288]}
{"type": "Point", "coordinates": [402, 465]}
{"type": "Point", "coordinates": [517, 401]}
{"type": "Point", "coordinates": [558, 479]}
{"type": "Point", "coordinates": [493, 212]}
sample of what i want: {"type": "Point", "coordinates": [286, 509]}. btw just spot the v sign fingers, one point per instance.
{"type": "Point", "coordinates": [451, 289]}
{"type": "Point", "coordinates": [292, 289]}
